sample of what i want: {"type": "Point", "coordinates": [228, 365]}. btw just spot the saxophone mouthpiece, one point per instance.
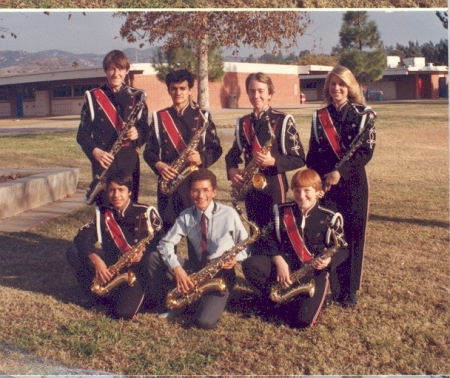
{"type": "Point", "coordinates": [237, 208]}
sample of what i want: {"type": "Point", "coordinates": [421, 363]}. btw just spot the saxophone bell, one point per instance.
{"type": "Point", "coordinates": [277, 295]}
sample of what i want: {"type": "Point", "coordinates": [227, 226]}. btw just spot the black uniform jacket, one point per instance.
{"type": "Point", "coordinates": [96, 131]}
{"type": "Point", "coordinates": [131, 222]}
{"type": "Point", "coordinates": [314, 227]}
{"type": "Point", "coordinates": [160, 148]}
{"type": "Point", "coordinates": [287, 149]}
{"type": "Point", "coordinates": [322, 158]}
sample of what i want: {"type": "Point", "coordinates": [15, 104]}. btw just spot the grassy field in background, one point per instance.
{"type": "Point", "coordinates": [400, 325]}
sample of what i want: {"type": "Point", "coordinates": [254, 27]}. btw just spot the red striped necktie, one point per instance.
{"type": "Point", "coordinates": [204, 239]}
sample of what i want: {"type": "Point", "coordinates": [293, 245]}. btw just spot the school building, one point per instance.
{"type": "Point", "coordinates": [61, 92]}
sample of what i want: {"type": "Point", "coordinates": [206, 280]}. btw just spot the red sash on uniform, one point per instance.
{"type": "Point", "coordinates": [250, 134]}
{"type": "Point", "coordinates": [294, 236]}
{"type": "Point", "coordinates": [110, 111]}
{"type": "Point", "coordinates": [116, 232]}
{"type": "Point", "coordinates": [330, 131]}
{"type": "Point", "coordinates": [174, 135]}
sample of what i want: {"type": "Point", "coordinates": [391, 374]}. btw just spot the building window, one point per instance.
{"type": "Point", "coordinates": [28, 93]}
{"type": "Point", "coordinates": [308, 84]}
{"type": "Point", "coordinates": [62, 91]}
{"type": "Point", "coordinates": [4, 94]}
{"type": "Point", "coordinates": [79, 89]}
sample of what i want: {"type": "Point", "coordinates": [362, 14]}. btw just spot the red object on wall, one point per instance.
{"type": "Point", "coordinates": [302, 98]}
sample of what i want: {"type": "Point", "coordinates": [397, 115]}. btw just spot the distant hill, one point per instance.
{"type": "Point", "coordinates": [22, 62]}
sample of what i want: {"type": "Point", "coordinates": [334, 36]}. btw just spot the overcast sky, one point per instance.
{"type": "Point", "coordinates": [96, 32]}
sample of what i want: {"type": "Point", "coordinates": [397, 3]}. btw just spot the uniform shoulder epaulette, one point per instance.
{"type": "Point", "coordinates": [326, 210]}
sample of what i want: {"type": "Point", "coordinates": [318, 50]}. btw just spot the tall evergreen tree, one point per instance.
{"type": "Point", "coordinates": [360, 47]}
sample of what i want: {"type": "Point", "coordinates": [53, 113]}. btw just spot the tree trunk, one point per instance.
{"type": "Point", "coordinates": [203, 87]}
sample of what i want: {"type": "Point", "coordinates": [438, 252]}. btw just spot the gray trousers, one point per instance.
{"type": "Point", "coordinates": [207, 310]}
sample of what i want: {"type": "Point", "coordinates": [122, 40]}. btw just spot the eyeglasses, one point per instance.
{"type": "Point", "coordinates": [196, 192]}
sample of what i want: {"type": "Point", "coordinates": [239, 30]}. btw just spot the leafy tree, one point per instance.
{"type": "Point", "coordinates": [208, 30]}
{"type": "Point", "coordinates": [443, 16]}
{"type": "Point", "coordinates": [6, 30]}
{"type": "Point", "coordinates": [318, 59]}
{"type": "Point", "coordinates": [360, 47]}
{"type": "Point", "coordinates": [165, 61]}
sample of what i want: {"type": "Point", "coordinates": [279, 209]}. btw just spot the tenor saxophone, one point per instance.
{"type": "Point", "coordinates": [181, 165]}
{"type": "Point", "coordinates": [252, 174]}
{"type": "Point", "coordinates": [204, 280]}
{"type": "Point", "coordinates": [279, 294]}
{"type": "Point", "coordinates": [103, 289]}
{"type": "Point", "coordinates": [97, 184]}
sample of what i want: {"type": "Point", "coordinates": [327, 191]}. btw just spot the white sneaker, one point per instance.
{"type": "Point", "coordinates": [169, 314]}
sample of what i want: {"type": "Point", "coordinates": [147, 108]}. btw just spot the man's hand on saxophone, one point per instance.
{"type": "Point", "coordinates": [236, 178]}
{"type": "Point", "coordinates": [104, 158]}
{"type": "Point", "coordinates": [184, 282]}
{"type": "Point", "coordinates": [264, 160]}
{"type": "Point", "coordinates": [132, 134]}
{"type": "Point", "coordinates": [101, 270]}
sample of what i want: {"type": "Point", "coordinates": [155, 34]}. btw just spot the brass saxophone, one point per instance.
{"type": "Point", "coordinates": [279, 294]}
{"type": "Point", "coordinates": [103, 289]}
{"type": "Point", "coordinates": [358, 140]}
{"type": "Point", "coordinates": [252, 174]}
{"type": "Point", "coordinates": [181, 165]}
{"type": "Point", "coordinates": [97, 184]}
{"type": "Point", "coordinates": [204, 280]}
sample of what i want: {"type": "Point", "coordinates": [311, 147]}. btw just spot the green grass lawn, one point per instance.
{"type": "Point", "coordinates": [399, 327]}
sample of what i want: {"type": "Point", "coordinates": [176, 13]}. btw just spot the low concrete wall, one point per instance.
{"type": "Point", "coordinates": [40, 187]}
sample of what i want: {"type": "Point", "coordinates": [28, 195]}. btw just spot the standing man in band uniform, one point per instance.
{"type": "Point", "coordinates": [179, 121]}
{"type": "Point", "coordinates": [252, 132]}
{"type": "Point", "coordinates": [102, 114]}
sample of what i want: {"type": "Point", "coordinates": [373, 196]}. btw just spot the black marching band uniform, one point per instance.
{"type": "Point", "coordinates": [313, 231]}
{"type": "Point", "coordinates": [351, 195]}
{"type": "Point", "coordinates": [170, 132]}
{"type": "Point", "coordinates": [110, 234]}
{"type": "Point", "coordinates": [100, 128]}
{"type": "Point", "coordinates": [251, 135]}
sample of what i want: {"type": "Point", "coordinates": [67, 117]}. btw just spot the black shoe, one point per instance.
{"type": "Point", "coordinates": [349, 300]}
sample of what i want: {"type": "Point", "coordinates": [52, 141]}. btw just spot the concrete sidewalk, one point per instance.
{"type": "Point", "coordinates": [34, 217]}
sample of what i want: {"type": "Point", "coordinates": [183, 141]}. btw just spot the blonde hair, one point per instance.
{"type": "Point", "coordinates": [354, 89]}
{"type": "Point", "coordinates": [306, 177]}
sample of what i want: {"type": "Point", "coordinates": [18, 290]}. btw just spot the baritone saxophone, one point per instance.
{"type": "Point", "coordinates": [103, 289]}
{"type": "Point", "coordinates": [204, 280]}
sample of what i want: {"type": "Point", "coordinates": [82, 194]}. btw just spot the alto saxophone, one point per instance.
{"type": "Point", "coordinates": [103, 289]}
{"type": "Point", "coordinates": [181, 165]}
{"type": "Point", "coordinates": [204, 280]}
{"type": "Point", "coordinates": [97, 184]}
{"type": "Point", "coordinates": [358, 140]}
{"type": "Point", "coordinates": [251, 173]}
{"type": "Point", "coordinates": [279, 294]}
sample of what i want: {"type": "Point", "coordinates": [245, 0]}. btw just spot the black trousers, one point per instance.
{"type": "Point", "coordinates": [301, 311]}
{"type": "Point", "coordinates": [351, 199]}
{"type": "Point", "coordinates": [208, 309]}
{"type": "Point", "coordinates": [123, 301]}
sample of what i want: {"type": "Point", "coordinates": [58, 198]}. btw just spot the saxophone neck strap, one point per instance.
{"type": "Point", "coordinates": [110, 111]}
{"type": "Point", "coordinates": [330, 131]}
{"type": "Point", "coordinates": [250, 134]}
{"type": "Point", "coordinates": [172, 131]}
{"type": "Point", "coordinates": [294, 236]}
{"type": "Point", "coordinates": [116, 232]}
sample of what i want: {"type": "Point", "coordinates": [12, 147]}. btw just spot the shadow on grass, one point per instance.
{"type": "Point", "coordinates": [35, 263]}
{"type": "Point", "coordinates": [419, 222]}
